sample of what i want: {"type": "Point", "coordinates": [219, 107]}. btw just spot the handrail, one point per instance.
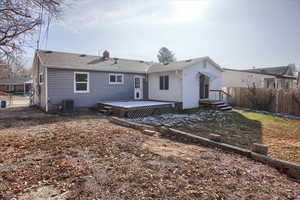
{"type": "Point", "coordinates": [7, 94]}
{"type": "Point", "coordinates": [221, 91]}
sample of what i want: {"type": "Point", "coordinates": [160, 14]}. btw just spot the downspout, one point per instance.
{"type": "Point", "coordinates": [46, 87]}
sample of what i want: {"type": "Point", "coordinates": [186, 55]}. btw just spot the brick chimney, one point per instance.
{"type": "Point", "coordinates": [105, 55]}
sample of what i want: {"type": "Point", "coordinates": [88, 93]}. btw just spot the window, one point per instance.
{"type": "Point", "coordinates": [164, 82]}
{"type": "Point", "coordinates": [81, 82]}
{"type": "Point", "coordinates": [137, 83]}
{"type": "Point", "coordinates": [41, 78]}
{"type": "Point", "coordinates": [11, 88]}
{"type": "Point", "coordinates": [116, 78]}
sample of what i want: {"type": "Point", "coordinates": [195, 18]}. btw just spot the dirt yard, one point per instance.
{"type": "Point", "coordinates": [87, 157]}
{"type": "Point", "coordinates": [243, 128]}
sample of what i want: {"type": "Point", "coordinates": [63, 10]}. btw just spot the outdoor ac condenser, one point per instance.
{"type": "Point", "coordinates": [68, 106]}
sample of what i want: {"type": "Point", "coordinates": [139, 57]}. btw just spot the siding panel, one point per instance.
{"type": "Point", "coordinates": [61, 86]}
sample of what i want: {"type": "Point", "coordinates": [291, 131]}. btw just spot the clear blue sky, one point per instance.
{"type": "Point", "coordinates": [234, 33]}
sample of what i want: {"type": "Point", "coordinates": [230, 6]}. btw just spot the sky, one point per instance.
{"type": "Point", "coordinates": [234, 33]}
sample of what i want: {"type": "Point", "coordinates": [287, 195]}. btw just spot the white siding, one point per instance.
{"type": "Point", "coordinates": [191, 83]}
{"type": "Point", "coordinates": [175, 87]}
{"type": "Point", "coordinates": [243, 79]}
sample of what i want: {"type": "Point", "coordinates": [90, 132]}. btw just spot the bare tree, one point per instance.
{"type": "Point", "coordinates": [17, 63]}
{"type": "Point", "coordinates": [21, 18]}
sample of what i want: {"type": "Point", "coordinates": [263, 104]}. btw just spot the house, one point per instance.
{"type": "Point", "coordinates": [273, 77]}
{"type": "Point", "coordinates": [89, 79]}
{"type": "Point", "coordinates": [21, 85]}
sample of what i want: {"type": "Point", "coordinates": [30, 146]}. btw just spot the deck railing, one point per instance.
{"type": "Point", "coordinates": [221, 95]}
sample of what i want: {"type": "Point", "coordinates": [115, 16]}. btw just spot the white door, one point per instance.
{"type": "Point", "coordinates": [138, 87]}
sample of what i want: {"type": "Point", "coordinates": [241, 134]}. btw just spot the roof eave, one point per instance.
{"type": "Point", "coordinates": [95, 70]}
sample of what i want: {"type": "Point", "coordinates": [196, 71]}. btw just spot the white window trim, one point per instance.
{"type": "Point", "coordinates": [88, 82]}
{"type": "Point", "coordinates": [41, 83]}
{"type": "Point", "coordinates": [115, 83]}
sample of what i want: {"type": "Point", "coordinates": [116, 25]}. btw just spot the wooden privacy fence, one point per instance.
{"type": "Point", "coordinates": [286, 101]}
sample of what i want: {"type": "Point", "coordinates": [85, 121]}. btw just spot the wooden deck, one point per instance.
{"type": "Point", "coordinates": [135, 109]}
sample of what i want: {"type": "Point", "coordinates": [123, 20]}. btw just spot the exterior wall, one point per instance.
{"type": "Point", "coordinates": [39, 97]}
{"type": "Point", "coordinates": [175, 86]}
{"type": "Point", "coordinates": [61, 87]}
{"type": "Point", "coordinates": [246, 79]}
{"type": "Point", "coordinates": [191, 83]}
{"type": "Point", "coordinates": [286, 83]}
{"type": "Point", "coordinates": [243, 79]}
{"type": "Point", "coordinates": [145, 89]}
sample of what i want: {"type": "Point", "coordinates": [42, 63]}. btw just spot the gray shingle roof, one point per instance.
{"type": "Point", "coordinates": [278, 71]}
{"type": "Point", "coordinates": [179, 65]}
{"type": "Point", "coordinates": [74, 61]}
{"type": "Point", "coordinates": [281, 72]}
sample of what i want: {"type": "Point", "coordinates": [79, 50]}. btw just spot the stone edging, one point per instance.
{"type": "Point", "coordinates": [291, 169]}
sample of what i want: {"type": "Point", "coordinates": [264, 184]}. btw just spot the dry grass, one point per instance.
{"type": "Point", "coordinates": [280, 134]}
{"type": "Point", "coordinates": [89, 158]}
{"type": "Point", "coordinates": [243, 128]}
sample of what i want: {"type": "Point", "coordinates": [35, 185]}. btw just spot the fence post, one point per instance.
{"type": "Point", "coordinates": [276, 99]}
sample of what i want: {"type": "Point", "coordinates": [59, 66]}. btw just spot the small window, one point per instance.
{"type": "Point", "coordinates": [137, 83]}
{"type": "Point", "coordinates": [41, 78]}
{"type": "Point", "coordinates": [81, 82]}
{"type": "Point", "coordinates": [116, 78]}
{"type": "Point", "coordinates": [164, 82]}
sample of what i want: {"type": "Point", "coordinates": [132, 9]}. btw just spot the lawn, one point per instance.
{"type": "Point", "coordinates": [87, 157]}
{"type": "Point", "coordinates": [242, 128]}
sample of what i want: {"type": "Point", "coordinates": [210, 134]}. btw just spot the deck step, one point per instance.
{"type": "Point", "coordinates": [219, 105]}
{"type": "Point", "coordinates": [107, 107]}
{"type": "Point", "coordinates": [103, 111]}
{"type": "Point", "coordinates": [226, 108]}
{"type": "Point", "coordinates": [222, 105]}
{"type": "Point", "coordinates": [215, 103]}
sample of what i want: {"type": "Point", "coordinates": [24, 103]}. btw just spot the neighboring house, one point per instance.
{"type": "Point", "coordinates": [273, 77]}
{"type": "Point", "coordinates": [88, 79]}
{"type": "Point", "coordinates": [16, 84]}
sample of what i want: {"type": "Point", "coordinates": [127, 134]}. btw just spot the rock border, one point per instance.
{"type": "Point", "coordinates": [289, 168]}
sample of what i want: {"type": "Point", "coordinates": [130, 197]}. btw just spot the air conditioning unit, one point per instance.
{"type": "Point", "coordinates": [68, 105]}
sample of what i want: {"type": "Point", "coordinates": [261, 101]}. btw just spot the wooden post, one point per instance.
{"type": "Point", "coordinates": [277, 100]}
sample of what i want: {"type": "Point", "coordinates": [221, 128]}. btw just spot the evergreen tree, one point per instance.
{"type": "Point", "coordinates": [165, 56]}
